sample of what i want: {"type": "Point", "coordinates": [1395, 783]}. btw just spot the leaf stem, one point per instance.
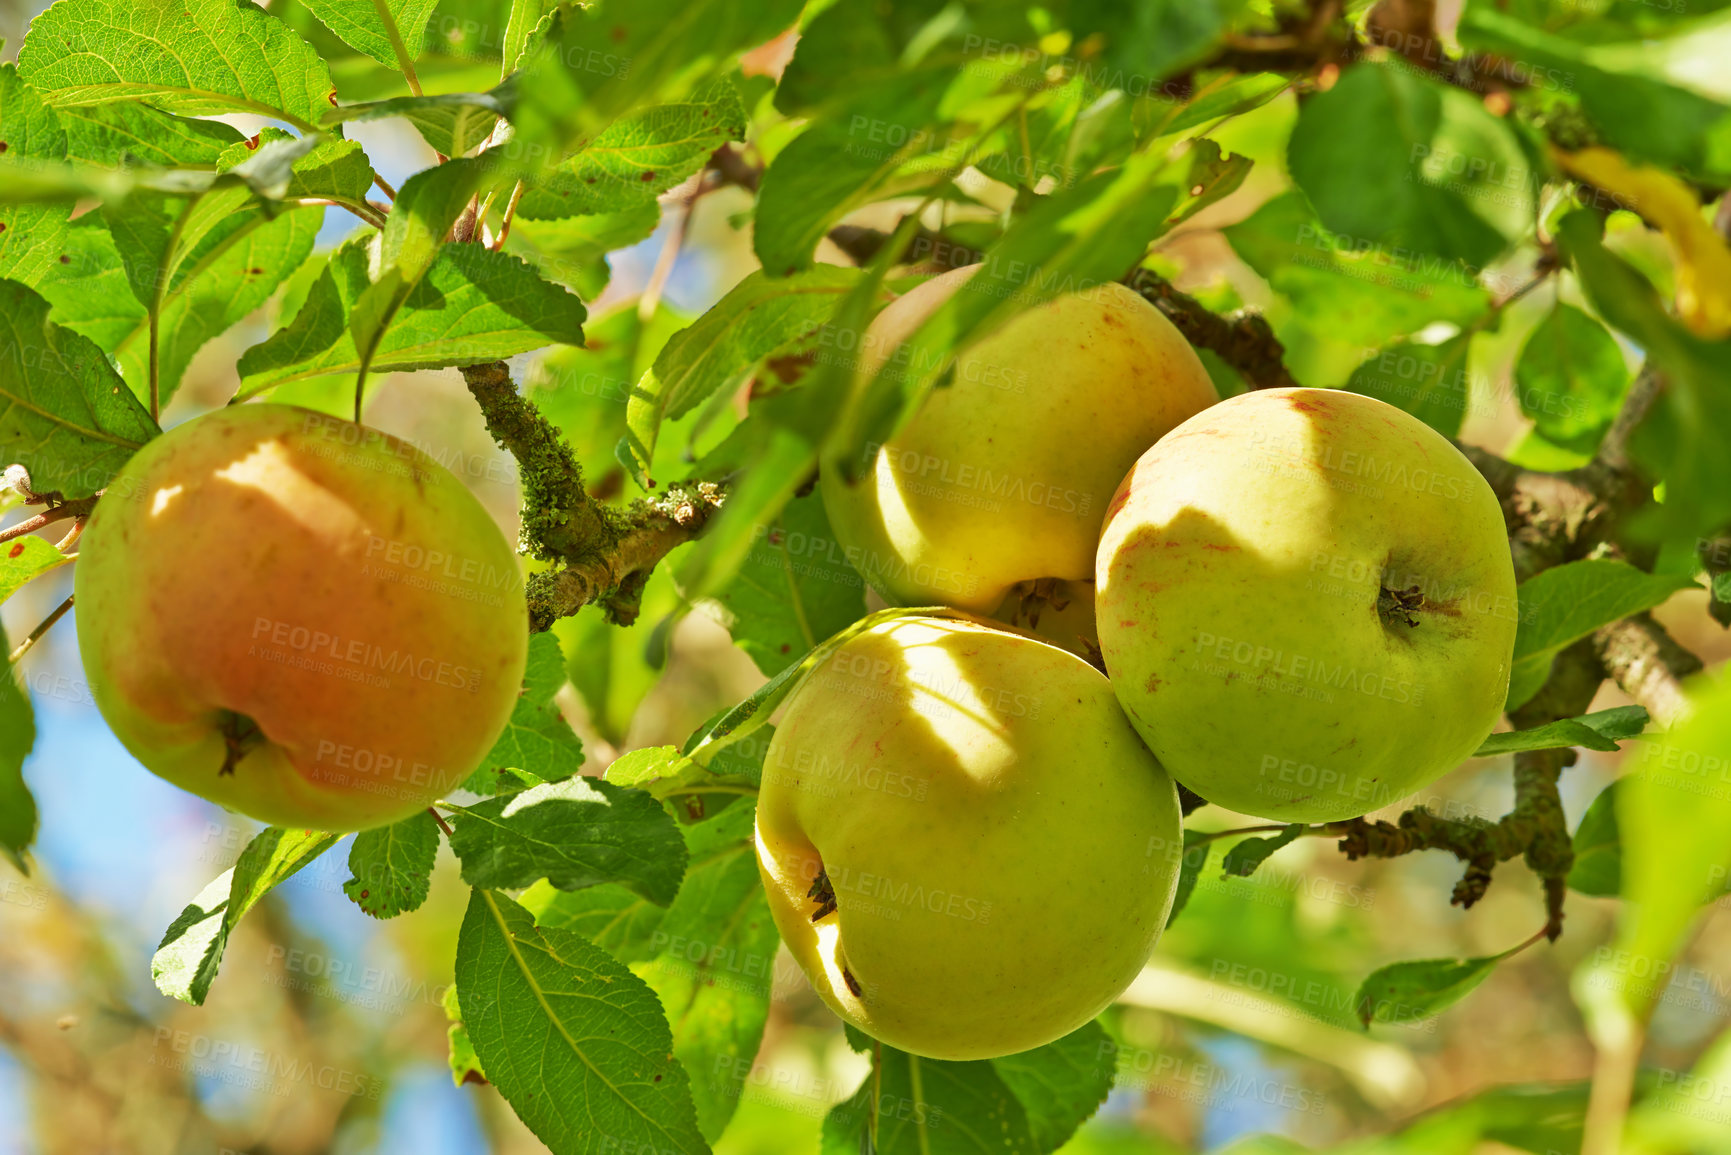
{"type": "Point", "coordinates": [398, 48]}
{"type": "Point", "coordinates": [510, 211]}
{"type": "Point", "coordinates": [35, 634]}
{"type": "Point", "coordinates": [361, 209]}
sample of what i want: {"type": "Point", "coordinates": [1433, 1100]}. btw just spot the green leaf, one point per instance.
{"type": "Point", "coordinates": [1683, 439]}
{"type": "Point", "coordinates": [1355, 293]}
{"type": "Point", "coordinates": [1022, 1104]}
{"type": "Point", "coordinates": [451, 123]}
{"type": "Point", "coordinates": [525, 25]}
{"type": "Point", "coordinates": [613, 668]}
{"type": "Point", "coordinates": [573, 250]}
{"type": "Point", "coordinates": [593, 65]}
{"type": "Point", "coordinates": [133, 135]}
{"type": "Point", "coordinates": [663, 772]}
{"type": "Point", "coordinates": [584, 391]}
{"type": "Point", "coordinates": [1431, 382]}
{"type": "Point", "coordinates": [392, 866]}
{"type": "Point", "coordinates": [537, 738]}
{"type": "Point", "coordinates": [847, 157]}
{"type": "Point", "coordinates": [1571, 378]}
{"type": "Point", "coordinates": [1599, 730]}
{"type": "Point", "coordinates": [33, 234]}
{"type": "Point", "coordinates": [89, 289]}
{"type": "Point", "coordinates": [473, 306]}
{"type": "Point", "coordinates": [215, 289]}
{"type": "Point", "coordinates": [611, 916]}
{"type": "Point", "coordinates": [1598, 868]}
{"type": "Point", "coordinates": [65, 415]}
{"type": "Point", "coordinates": [465, 1064]}
{"type": "Point", "coordinates": [17, 737]}
{"type": "Point", "coordinates": [1563, 604]}
{"type": "Point", "coordinates": [1193, 856]}
{"type": "Point", "coordinates": [1405, 991]}
{"type": "Point", "coordinates": [1673, 813]}
{"type": "Point", "coordinates": [756, 317]}
{"type": "Point", "coordinates": [714, 964]}
{"type": "Point", "coordinates": [1061, 1084]}
{"type": "Point", "coordinates": [1634, 111]}
{"type": "Point", "coordinates": [1210, 177]}
{"type": "Point", "coordinates": [25, 558]}
{"type": "Point", "coordinates": [1393, 158]}
{"type": "Point", "coordinates": [390, 31]}
{"type": "Point", "coordinates": [196, 57]}
{"type": "Point", "coordinates": [641, 155]}
{"type": "Point", "coordinates": [187, 959]}
{"type": "Point", "coordinates": [576, 1043]}
{"type": "Point", "coordinates": [793, 590]}
{"type": "Point", "coordinates": [575, 833]}
{"type": "Point", "coordinates": [1243, 859]}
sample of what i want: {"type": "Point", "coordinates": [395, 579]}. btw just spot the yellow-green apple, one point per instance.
{"type": "Point", "coordinates": [299, 618]}
{"type": "Point", "coordinates": [1003, 475]}
{"type": "Point", "coordinates": [1306, 604]}
{"type": "Point", "coordinates": [965, 845]}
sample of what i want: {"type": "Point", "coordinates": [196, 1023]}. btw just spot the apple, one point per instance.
{"type": "Point", "coordinates": [965, 846]}
{"type": "Point", "coordinates": [1306, 604]}
{"type": "Point", "coordinates": [299, 618]}
{"type": "Point", "coordinates": [1003, 475]}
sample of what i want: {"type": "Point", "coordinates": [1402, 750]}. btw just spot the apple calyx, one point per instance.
{"type": "Point", "coordinates": [822, 892]}
{"type": "Point", "coordinates": [1401, 605]}
{"type": "Point", "coordinates": [241, 735]}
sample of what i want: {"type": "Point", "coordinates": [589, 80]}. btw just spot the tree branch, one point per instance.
{"type": "Point", "coordinates": [1244, 340]}
{"type": "Point", "coordinates": [1648, 664]}
{"type": "Point", "coordinates": [601, 555]}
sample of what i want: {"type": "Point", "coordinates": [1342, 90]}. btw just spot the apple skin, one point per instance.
{"type": "Point", "coordinates": [272, 563]}
{"type": "Point", "coordinates": [1240, 576]}
{"type": "Point", "coordinates": [1003, 475]}
{"type": "Point", "coordinates": [1002, 848]}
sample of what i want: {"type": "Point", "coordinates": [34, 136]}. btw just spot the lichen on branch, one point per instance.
{"type": "Point", "coordinates": [599, 554]}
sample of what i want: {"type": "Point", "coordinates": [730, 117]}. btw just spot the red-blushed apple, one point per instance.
{"type": "Point", "coordinates": [1003, 475]}
{"type": "Point", "coordinates": [304, 620]}
{"type": "Point", "coordinates": [1306, 603]}
{"type": "Point", "coordinates": [965, 845]}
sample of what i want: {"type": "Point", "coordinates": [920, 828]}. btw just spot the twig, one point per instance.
{"type": "Point", "coordinates": [35, 634]}
{"type": "Point", "coordinates": [384, 186]}
{"type": "Point", "coordinates": [74, 509]}
{"type": "Point", "coordinates": [650, 298]}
